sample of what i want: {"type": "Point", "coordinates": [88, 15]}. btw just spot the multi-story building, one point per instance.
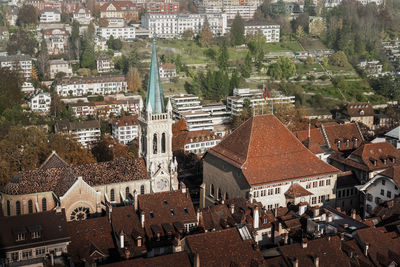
{"type": "Point", "coordinates": [166, 7]}
{"type": "Point", "coordinates": [270, 31]}
{"type": "Point", "coordinates": [263, 160]}
{"type": "Point", "coordinates": [86, 133]}
{"type": "Point", "coordinates": [197, 120]}
{"type": "Point", "coordinates": [119, 9]}
{"type": "Point", "coordinates": [41, 5]}
{"type": "Point", "coordinates": [102, 85]}
{"type": "Point", "coordinates": [173, 25]}
{"type": "Point", "coordinates": [22, 63]}
{"type": "Point", "coordinates": [126, 33]}
{"type": "Point", "coordinates": [56, 40]}
{"type": "Point", "coordinates": [104, 63]}
{"type": "Point", "coordinates": [60, 65]}
{"type": "Point", "coordinates": [182, 102]}
{"type": "Point", "coordinates": [125, 129]}
{"type": "Point", "coordinates": [235, 102]}
{"type": "Point", "coordinates": [167, 70]}
{"type": "Point", "coordinates": [358, 112]}
{"type": "Point", "coordinates": [50, 15]}
{"type": "Point", "coordinates": [218, 113]}
{"type": "Point", "coordinates": [40, 102]}
{"type": "Point", "coordinates": [32, 238]}
{"type": "Point", "coordinates": [82, 15]}
{"type": "Point", "coordinates": [231, 8]}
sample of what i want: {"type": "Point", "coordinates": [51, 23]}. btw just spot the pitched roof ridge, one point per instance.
{"type": "Point", "coordinates": [248, 144]}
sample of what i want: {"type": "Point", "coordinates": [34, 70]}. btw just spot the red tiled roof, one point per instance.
{"type": "Point", "coordinates": [127, 121]}
{"type": "Point", "coordinates": [360, 109]}
{"type": "Point", "coordinates": [224, 248]}
{"type": "Point", "coordinates": [315, 134]}
{"type": "Point", "coordinates": [313, 146]}
{"type": "Point", "coordinates": [268, 152]}
{"type": "Point", "coordinates": [179, 259]}
{"type": "Point", "coordinates": [342, 132]}
{"type": "Point", "coordinates": [53, 161]}
{"type": "Point", "coordinates": [296, 190]}
{"type": "Point", "coordinates": [394, 173]}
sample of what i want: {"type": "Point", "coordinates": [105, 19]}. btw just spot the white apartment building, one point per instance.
{"type": "Point", "coordinates": [104, 63]}
{"type": "Point", "coordinates": [173, 25]}
{"type": "Point", "coordinates": [59, 65]}
{"type": "Point", "coordinates": [102, 85]}
{"type": "Point", "coordinates": [182, 102]}
{"type": "Point", "coordinates": [50, 15]}
{"type": "Point", "coordinates": [200, 143]}
{"type": "Point", "coordinates": [245, 11]}
{"type": "Point", "coordinates": [218, 113]}
{"type": "Point", "coordinates": [86, 133]}
{"type": "Point", "coordinates": [40, 103]}
{"type": "Point", "coordinates": [125, 129]}
{"type": "Point", "coordinates": [27, 87]}
{"type": "Point", "coordinates": [124, 33]}
{"type": "Point", "coordinates": [197, 120]}
{"type": "Point", "coordinates": [270, 31]}
{"type": "Point", "coordinates": [234, 103]}
{"type": "Point", "coordinates": [21, 62]}
{"type": "Point", "coordinates": [167, 70]}
{"type": "Point", "coordinates": [82, 15]}
{"type": "Point", "coordinates": [56, 40]}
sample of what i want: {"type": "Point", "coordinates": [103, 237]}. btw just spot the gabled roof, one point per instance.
{"type": "Point", "coordinates": [54, 161]}
{"type": "Point", "coordinates": [315, 134]}
{"type": "Point", "coordinates": [296, 190]}
{"type": "Point", "coordinates": [127, 121]}
{"type": "Point", "coordinates": [268, 152]}
{"type": "Point", "coordinates": [345, 133]}
{"type": "Point", "coordinates": [313, 146]}
{"type": "Point", "coordinates": [374, 155]}
{"type": "Point", "coordinates": [394, 173]}
{"type": "Point", "coordinates": [178, 259]}
{"type": "Point", "coordinates": [155, 97]}
{"type": "Point", "coordinates": [395, 133]}
{"type": "Point", "coordinates": [360, 109]}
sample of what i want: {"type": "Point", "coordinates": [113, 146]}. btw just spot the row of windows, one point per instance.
{"type": "Point", "coordinates": [127, 192]}
{"type": "Point", "coordinates": [18, 209]}
{"type": "Point", "coordinates": [346, 192]}
{"type": "Point", "coordinates": [219, 193]}
{"type": "Point", "coordinates": [319, 183]}
{"type": "Point", "coordinates": [320, 199]}
{"type": "Point", "coordinates": [269, 207]}
{"type": "Point", "coordinates": [265, 192]}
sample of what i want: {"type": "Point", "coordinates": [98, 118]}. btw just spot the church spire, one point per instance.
{"type": "Point", "coordinates": [155, 97]}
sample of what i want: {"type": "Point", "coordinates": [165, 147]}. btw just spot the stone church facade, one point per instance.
{"type": "Point", "coordinates": [88, 189]}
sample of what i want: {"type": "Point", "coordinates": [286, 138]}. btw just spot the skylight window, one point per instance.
{"type": "Point", "coordinates": [172, 212]}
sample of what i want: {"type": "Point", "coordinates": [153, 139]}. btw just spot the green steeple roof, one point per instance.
{"type": "Point", "coordinates": [155, 98]}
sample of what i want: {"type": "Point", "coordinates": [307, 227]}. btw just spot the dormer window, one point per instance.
{"type": "Point", "coordinates": [151, 215]}
{"type": "Point", "coordinates": [20, 236]}
{"type": "Point", "coordinates": [361, 112]}
{"type": "Point", "coordinates": [355, 142]}
{"type": "Point", "coordinates": [35, 234]}
{"type": "Point", "coordinates": [172, 212]}
{"type": "Point", "coordinates": [373, 161]}
{"type": "Point", "coordinates": [338, 144]}
{"type": "Point", "coordinates": [347, 142]}
{"type": "Point", "coordinates": [186, 210]}
{"type": "Point", "coordinates": [165, 202]}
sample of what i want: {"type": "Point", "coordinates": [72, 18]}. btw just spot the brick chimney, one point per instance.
{"type": "Point", "coordinates": [121, 239]}
{"type": "Point", "coordinates": [142, 219]}
{"type": "Point", "coordinates": [316, 261]}
{"type": "Point", "coordinates": [390, 203]}
{"type": "Point", "coordinates": [304, 243]}
{"type": "Point", "coordinates": [135, 199]}
{"type": "Point", "coordinates": [196, 262]}
{"type": "Point", "coordinates": [353, 214]}
{"type": "Point", "coordinates": [202, 195]}
{"type": "Point", "coordinates": [256, 217]}
{"type": "Point", "coordinates": [329, 217]}
{"type": "Point", "coordinates": [366, 247]}
{"type": "Point", "coordinates": [295, 262]}
{"type": "Point", "coordinates": [198, 215]}
{"type": "Point", "coordinates": [183, 187]}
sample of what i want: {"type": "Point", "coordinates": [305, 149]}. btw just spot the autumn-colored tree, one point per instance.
{"type": "Point", "coordinates": [206, 34]}
{"type": "Point", "coordinates": [188, 34]}
{"type": "Point", "coordinates": [108, 149]}
{"type": "Point", "coordinates": [27, 14]}
{"type": "Point", "coordinates": [133, 79]}
{"type": "Point", "coordinates": [292, 117]}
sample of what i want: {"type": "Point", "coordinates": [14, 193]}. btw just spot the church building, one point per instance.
{"type": "Point", "coordinates": [88, 189]}
{"type": "Point", "coordinates": [264, 161]}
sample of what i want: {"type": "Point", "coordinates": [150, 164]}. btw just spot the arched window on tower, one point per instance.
{"type": "Point", "coordinates": [18, 207]}
{"type": "Point", "coordinates": [155, 144]}
{"type": "Point", "coordinates": [163, 143]}
{"type": "Point", "coordinates": [8, 208]}
{"type": "Point", "coordinates": [127, 192]}
{"type": "Point", "coordinates": [44, 204]}
{"type": "Point", "coordinates": [30, 206]}
{"type": "Point", "coordinates": [112, 195]}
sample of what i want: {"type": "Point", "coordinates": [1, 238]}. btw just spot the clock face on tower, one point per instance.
{"type": "Point", "coordinates": [162, 184]}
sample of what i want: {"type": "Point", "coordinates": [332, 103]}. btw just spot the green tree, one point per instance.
{"type": "Point", "coordinates": [75, 40]}
{"type": "Point", "coordinates": [43, 59]}
{"type": "Point", "coordinates": [110, 42]}
{"type": "Point", "coordinates": [339, 59]}
{"type": "Point", "coordinates": [223, 57]}
{"type": "Point", "coordinates": [237, 31]}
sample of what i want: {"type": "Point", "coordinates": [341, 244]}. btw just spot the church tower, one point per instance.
{"type": "Point", "coordinates": [155, 144]}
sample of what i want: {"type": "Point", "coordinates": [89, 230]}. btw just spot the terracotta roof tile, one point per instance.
{"type": "Point", "coordinates": [345, 133]}
{"type": "Point", "coordinates": [224, 248]}
{"type": "Point", "coordinates": [179, 259]}
{"type": "Point", "coordinates": [127, 121]}
{"type": "Point", "coordinates": [360, 109]}
{"type": "Point", "coordinates": [268, 152]}
{"type": "Point", "coordinates": [296, 190]}
{"type": "Point", "coordinates": [315, 134]}
{"type": "Point", "coordinates": [394, 173]}
{"type": "Point", "coordinates": [53, 161]}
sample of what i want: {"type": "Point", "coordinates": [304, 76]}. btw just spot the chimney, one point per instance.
{"type": "Point", "coordinates": [279, 228]}
{"type": "Point", "coordinates": [316, 261]}
{"type": "Point", "coordinates": [223, 200]}
{"type": "Point", "coordinates": [304, 243]}
{"type": "Point", "coordinates": [342, 236]}
{"type": "Point", "coordinates": [196, 260]}
{"type": "Point", "coordinates": [316, 211]}
{"type": "Point", "coordinates": [198, 215]}
{"type": "Point", "coordinates": [183, 187]}
{"type": "Point", "coordinates": [135, 199]}
{"type": "Point", "coordinates": [203, 195]}
{"type": "Point", "coordinates": [353, 214]}
{"type": "Point", "coordinates": [256, 217]}
{"type": "Point", "coordinates": [121, 239]}
{"type": "Point", "coordinates": [329, 217]}
{"type": "Point", "coordinates": [302, 208]}
{"type": "Point", "coordinates": [390, 203]}
{"type": "Point", "coordinates": [232, 208]}
{"type": "Point", "coordinates": [366, 247]}
{"type": "Point", "coordinates": [142, 219]}
{"type": "Point", "coordinates": [286, 238]}
{"type": "Point", "coordinates": [295, 262]}
{"type": "Point", "coordinates": [251, 197]}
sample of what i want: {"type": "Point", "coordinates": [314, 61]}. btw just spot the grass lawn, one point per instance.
{"type": "Point", "coordinates": [302, 69]}
{"type": "Point", "coordinates": [312, 44]}
{"type": "Point", "coordinates": [170, 88]}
